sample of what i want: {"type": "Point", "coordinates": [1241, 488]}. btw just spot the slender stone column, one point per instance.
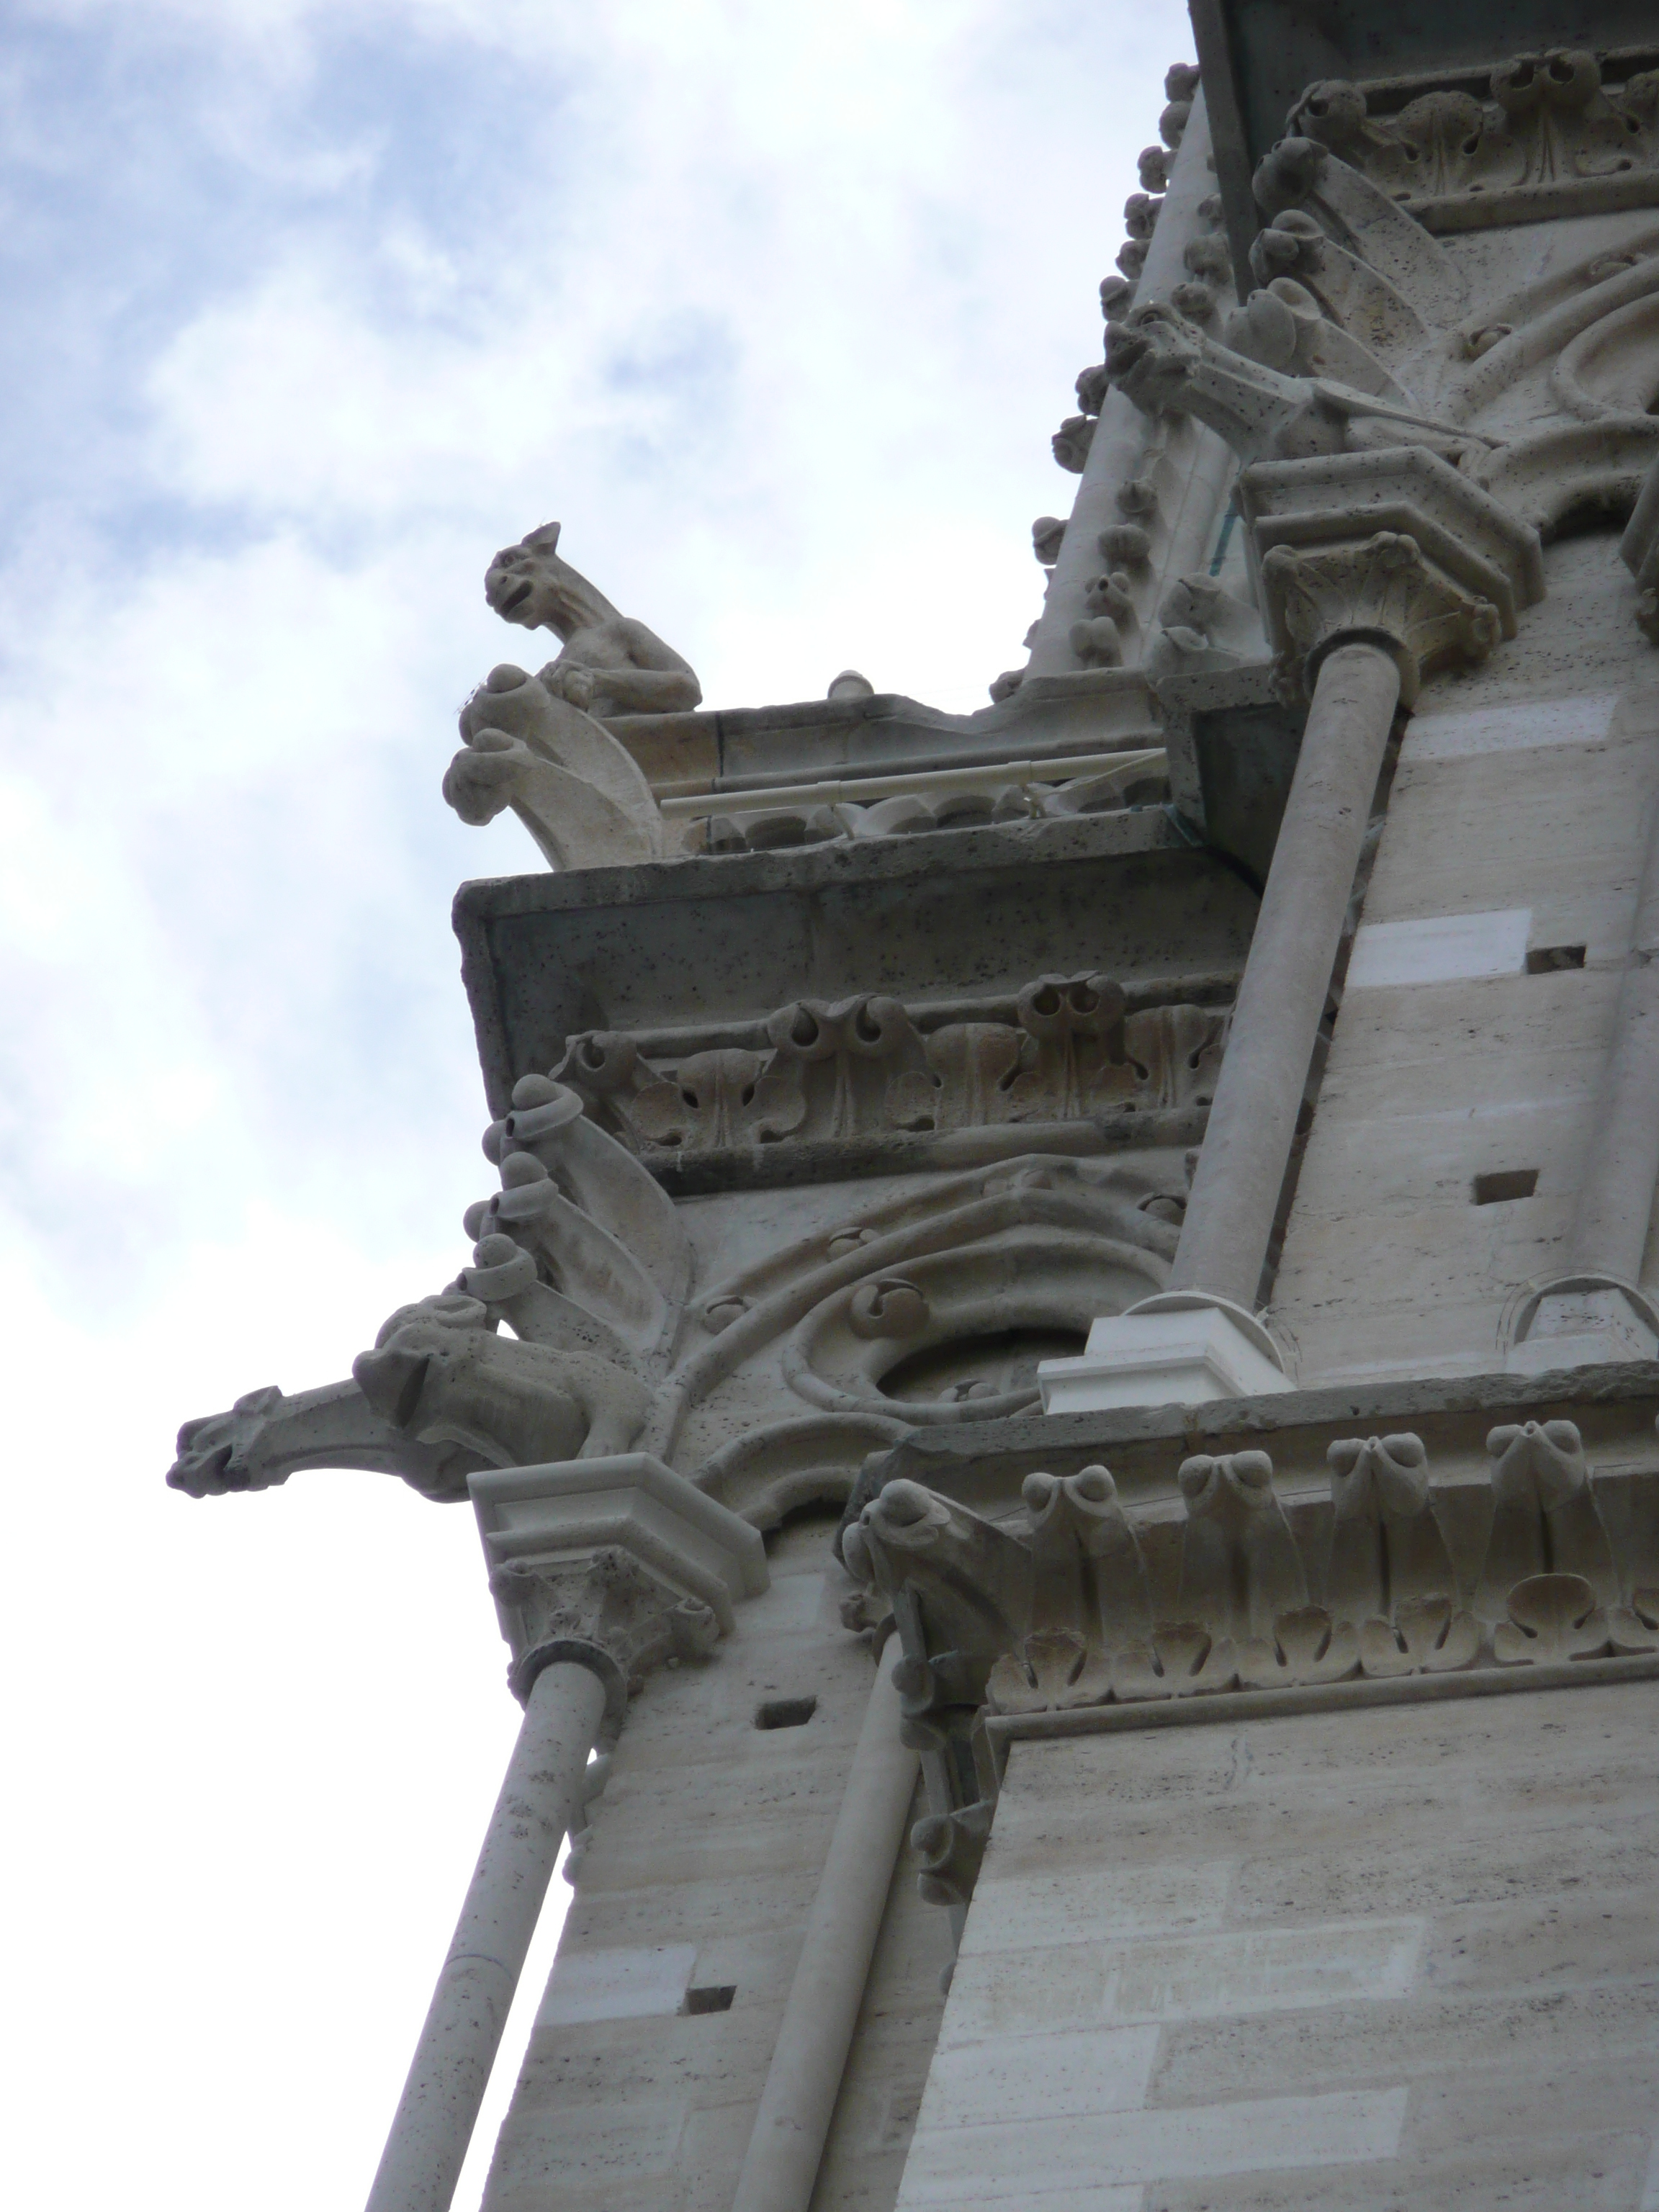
{"type": "Point", "coordinates": [601, 1569]}
{"type": "Point", "coordinates": [1229, 1213]}
{"type": "Point", "coordinates": [428, 2144]}
{"type": "Point", "coordinates": [1615, 1198]}
{"type": "Point", "coordinates": [782, 2167]}
{"type": "Point", "coordinates": [1596, 1311]}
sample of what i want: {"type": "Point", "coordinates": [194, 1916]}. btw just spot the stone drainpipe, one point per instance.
{"type": "Point", "coordinates": [601, 1568]}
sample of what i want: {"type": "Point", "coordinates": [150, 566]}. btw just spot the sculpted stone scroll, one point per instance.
{"type": "Point", "coordinates": [861, 1067]}
{"type": "Point", "coordinates": [576, 789]}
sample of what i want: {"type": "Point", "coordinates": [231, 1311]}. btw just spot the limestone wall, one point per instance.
{"type": "Point", "coordinates": [1516, 831]}
{"type": "Point", "coordinates": [702, 1862]}
{"type": "Point", "coordinates": [1365, 1959]}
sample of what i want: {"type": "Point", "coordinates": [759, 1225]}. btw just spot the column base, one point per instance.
{"type": "Point", "coordinates": [1584, 1320]}
{"type": "Point", "coordinates": [1178, 1348]}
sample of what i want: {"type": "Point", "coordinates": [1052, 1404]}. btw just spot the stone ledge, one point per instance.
{"type": "Point", "coordinates": [1615, 1406]}
{"type": "Point", "coordinates": [1223, 1709]}
{"type": "Point", "coordinates": [724, 939]}
{"type": "Point", "coordinates": [727, 747]}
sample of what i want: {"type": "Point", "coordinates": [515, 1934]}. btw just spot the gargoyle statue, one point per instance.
{"type": "Point", "coordinates": [1167, 366]}
{"type": "Point", "coordinates": [535, 743]}
{"type": "Point", "coordinates": [446, 1390]}
{"type": "Point", "coordinates": [610, 664]}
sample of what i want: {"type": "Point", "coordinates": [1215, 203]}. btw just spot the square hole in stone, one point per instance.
{"type": "Point", "coordinates": [713, 1997]}
{"type": "Point", "coordinates": [785, 1712]}
{"type": "Point", "coordinates": [1549, 959]}
{"type": "Point", "coordinates": [1502, 1184]}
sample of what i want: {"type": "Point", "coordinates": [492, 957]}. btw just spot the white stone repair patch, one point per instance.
{"type": "Point", "coordinates": [1440, 948]}
{"type": "Point", "coordinates": [619, 1982]}
{"type": "Point", "coordinates": [1058, 2077]}
{"type": "Point", "coordinates": [1522, 727]}
{"type": "Point", "coordinates": [1033, 2162]}
{"type": "Point", "coordinates": [1206, 1977]}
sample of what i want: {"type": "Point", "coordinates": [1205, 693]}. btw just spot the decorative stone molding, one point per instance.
{"type": "Point", "coordinates": [1554, 133]}
{"type": "Point", "coordinates": [1067, 1047]}
{"type": "Point", "coordinates": [1395, 546]}
{"type": "Point", "coordinates": [955, 799]}
{"type": "Point", "coordinates": [1387, 1576]}
{"type": "Point", "coordinates": [615, 1562]}
{"type": "Point", "coordinates": [1381, 587]}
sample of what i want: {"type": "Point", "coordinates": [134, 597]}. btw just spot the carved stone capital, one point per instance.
{"type": "Point", "coordinates": [1393, 545]}
{"type": "Point", "coordinates": [617, 1564]}
{"type": "Point", "coordinates": [1382, 590]}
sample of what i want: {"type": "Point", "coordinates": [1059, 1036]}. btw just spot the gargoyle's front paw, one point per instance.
{"type": "Point", "coordinates": [567, 681]}
{"type": "Point", "coordinates": [478, 782]}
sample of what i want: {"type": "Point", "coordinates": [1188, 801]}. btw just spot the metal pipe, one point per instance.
{"type": "Point", "coordinates": [781, 2168]}
{"type": "Point", "coordinates": [439, 2108]}
{"type": "Point", "coordinates": [1258, 1095]}
{"type": "Point", "coordinates": [857, 788]}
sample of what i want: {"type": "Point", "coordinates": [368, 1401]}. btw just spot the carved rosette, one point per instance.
{"type": "Point", "coordinates": [1384, 590]}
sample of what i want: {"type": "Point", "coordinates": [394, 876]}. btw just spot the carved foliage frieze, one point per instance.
{"type": "Point", "coordinates": [1390, 1576]}
{"type": "Point", "coordinates": [1550, 119]}
{"type": "Point", "coordinates": [864, 1067]}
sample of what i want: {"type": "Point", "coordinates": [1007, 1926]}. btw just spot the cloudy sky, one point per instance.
{"type": "Point", "coordinates": [309, 308]}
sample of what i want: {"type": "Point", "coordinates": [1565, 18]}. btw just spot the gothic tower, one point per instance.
{"type": "Point", "coordinates": [1060, 1388]}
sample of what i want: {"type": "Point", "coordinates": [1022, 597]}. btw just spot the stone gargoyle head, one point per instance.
{"type": "Point", "coordinates": [1152, 355]}
{"type": "Point", "coordinates": [439, 1372]}
{"type": "Point", "coordinates": [531, 585]}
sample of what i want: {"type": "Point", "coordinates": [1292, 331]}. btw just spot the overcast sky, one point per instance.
{"type": "Point", "coordinates": [308, 309]}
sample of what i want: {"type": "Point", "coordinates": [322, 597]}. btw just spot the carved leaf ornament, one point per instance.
{"type": "Point", "coordinates": [860, 1067]}
{"type": "Point", "coordinates": [1057, 1616]}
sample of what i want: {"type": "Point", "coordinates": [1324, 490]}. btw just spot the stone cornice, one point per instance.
{"type": "Point", "coordinates": [1541, 136]}
{"type": "Point", "coordinates": [1615, 1406]}
{"type": "Point", "coordinates": [1518, 1553]}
